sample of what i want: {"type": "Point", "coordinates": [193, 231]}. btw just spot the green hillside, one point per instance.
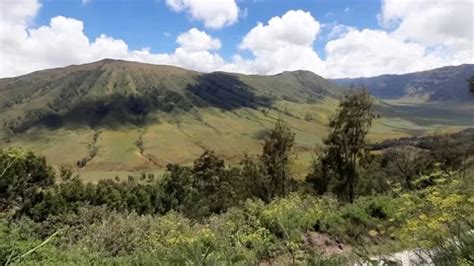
{"type": "Point", "coordinates": [118, 118]}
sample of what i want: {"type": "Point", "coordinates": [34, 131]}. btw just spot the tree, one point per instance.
{"type": "Point", "coordinates": [252, 183]}
{"type": "Point", "coordinates": [276, 158]}
{"type": "Point", "coordinates": [448, 152]}
{"type": "Point", "coordinates": [212, 191]}
{"type": "Point", "coordinates": [22, 176]}
{"type": "Point", "coordinates": [176, 187]}
{"type": "Point", "coordinates": [344, 146]}
{"type": "Point", "coordinates": [407, 161]}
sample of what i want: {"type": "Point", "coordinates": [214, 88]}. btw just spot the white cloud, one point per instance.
{"type": "Point", "coordinates": [60, 43]}
{"type": "Point", "coordinates": [214, 14]}
{"type": "Point", "coordinates": [374, 52]}
{"type": "Point", "coordinates": [195, 40]}
{"type": "Point", "coordinates": [86, 2]}
{"type": "Point", "coordinates": [284, 43]}
{"type": "Point", "coordinates": [293, 28]}
{"type": "Point", "coordinates": [424, 34]}
{"type": "Point", "coordinates": [63, 42]}
{"type": "Point", "coordinates": [431, 22]}
{"type": "Point", "coordinates": [18, 12]}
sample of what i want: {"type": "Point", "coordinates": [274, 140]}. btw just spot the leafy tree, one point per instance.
{"type": "Point", "coordinates": [22, 176]}
{"type": "Point", "coordinates": [212, 191]}
{"type": "Point", "coordinates": [345, 145]}
{"type": "Point", "coordinates": [276, 158]}
{"type": "Point", "coordinates": [374, 177]}
{"type": "Point", "coordinates": [253, 182]}
{"type": "Point", "coordinates": [450, 153]}
{"type": "Point", "coordinates": [320, 173]}
{"type": "Point", "coordinates": [176, 187]}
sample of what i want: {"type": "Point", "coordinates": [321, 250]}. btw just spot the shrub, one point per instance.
{"type": "Point", "coordinates": [22, 176]}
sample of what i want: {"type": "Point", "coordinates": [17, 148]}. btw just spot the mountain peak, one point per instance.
{"type": "Point", "coordinates": [118, 91]}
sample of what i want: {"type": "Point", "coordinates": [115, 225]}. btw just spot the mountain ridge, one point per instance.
{"type": "Point", "coordinates": [447, 83]}
{"type": "Point", "coordinates": [129, 91]}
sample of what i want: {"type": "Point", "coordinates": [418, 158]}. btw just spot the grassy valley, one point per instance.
{"type": "Point", "coordinates": [358, 202]}
{"type": "Point", "coordinates": [116, 118]}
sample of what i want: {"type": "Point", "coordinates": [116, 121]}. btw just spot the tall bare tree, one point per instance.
{"type": "Point", "coordinates": [407, 162]}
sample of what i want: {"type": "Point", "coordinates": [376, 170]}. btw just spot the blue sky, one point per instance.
{"type": "Point", "coordinates": [144, 23]}
{"type": "Point", "coordinates": [334, 38]}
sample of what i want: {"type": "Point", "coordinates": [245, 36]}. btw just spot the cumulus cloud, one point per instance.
{"type": "Point", "coordinates": [373, 52]}
{"type": "Point", "coordinates": [195, 40]}
{"type": "Point", "coordinates": [431, 22]}
{"type": "Point", "coordinates": [18, 12]}
{"type": "Point", "coordinates": [412, 38]}
{"type": "Point", "coordinates": [214, 14]}
{"type": "Point", "coordinates": [293, 28]}
{"type": "Point", "coordinates": [416, 37]}
{"type": "Point", "coordinates": [63, 42]}
{"type": "Point", "coordinates": [284, 43]}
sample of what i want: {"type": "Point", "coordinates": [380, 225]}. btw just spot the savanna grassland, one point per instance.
{"type": "Point", "coordinates": [116, 118]}
{"type": "Point", "coordinates": [413, 194]}
{"type": "Point", "coordinates": [123, 163]}
{"type": "Point", "coordinates": [181, 138]}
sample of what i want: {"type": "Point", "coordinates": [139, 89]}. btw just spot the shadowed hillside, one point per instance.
{"type": "Point", "coordinates": [115, 92]}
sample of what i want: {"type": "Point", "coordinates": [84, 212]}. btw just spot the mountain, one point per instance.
{"type": "Point", "coordinates": [116, 92]}
{"type": "Point", "coordinates": [116, 118]}
{"type": "Point", "coordinates": [437, 85]}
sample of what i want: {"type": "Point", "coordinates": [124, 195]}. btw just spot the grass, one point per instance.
{"type": "Point", "coordinates": [182, 138]}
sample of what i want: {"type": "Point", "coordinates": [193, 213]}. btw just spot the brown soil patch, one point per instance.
{"type": "Point", "coordinates": [325, 243]}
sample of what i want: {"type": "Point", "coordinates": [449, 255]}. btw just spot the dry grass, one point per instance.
{"type": "Point", "coordinates": [182, 138]}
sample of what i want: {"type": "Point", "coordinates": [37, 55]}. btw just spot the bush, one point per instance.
{"type": "Point", "coordinates": [22, 176]}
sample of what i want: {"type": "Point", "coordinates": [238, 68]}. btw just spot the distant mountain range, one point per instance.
{"type": "Point", "coordinates": [442, 84]}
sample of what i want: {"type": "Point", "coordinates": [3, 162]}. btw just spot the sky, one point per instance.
{"type": "Point", "coordinates": [333, 38]}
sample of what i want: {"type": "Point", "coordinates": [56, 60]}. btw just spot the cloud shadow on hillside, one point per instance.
{"type": "Point", "coordinates": [218, 90]}
{"type": "Point", "coordinates": [224, 91]}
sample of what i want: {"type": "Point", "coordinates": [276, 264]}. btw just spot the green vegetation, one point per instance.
{"type": "Point", "coordinates": [338, 166]}
{"type": "Point", "coordinates": [92, 117]}
{"type": "Point", "coordinates": [251, 212]}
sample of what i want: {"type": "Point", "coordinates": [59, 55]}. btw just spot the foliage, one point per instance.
{"type": "Point", "coordinates": [406, 163]}
{"type": "Point", "coordinates": [210, 214]}
{"type": "Point", "coordinates": [22, 176]}
{"type": "Point", "coordinates": [440, 219]}
{"type": "Point", "coordinates": [276, 158]}
{"type": "Point", "coordinates": [255, 231]}
{"type": "Point", "coordinates": [337, 168]}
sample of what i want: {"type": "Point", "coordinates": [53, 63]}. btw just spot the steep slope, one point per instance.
{"type": "Point", "coordinates": [114, 92]}
{"type": "Point", "coordinates": [441, 84]}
